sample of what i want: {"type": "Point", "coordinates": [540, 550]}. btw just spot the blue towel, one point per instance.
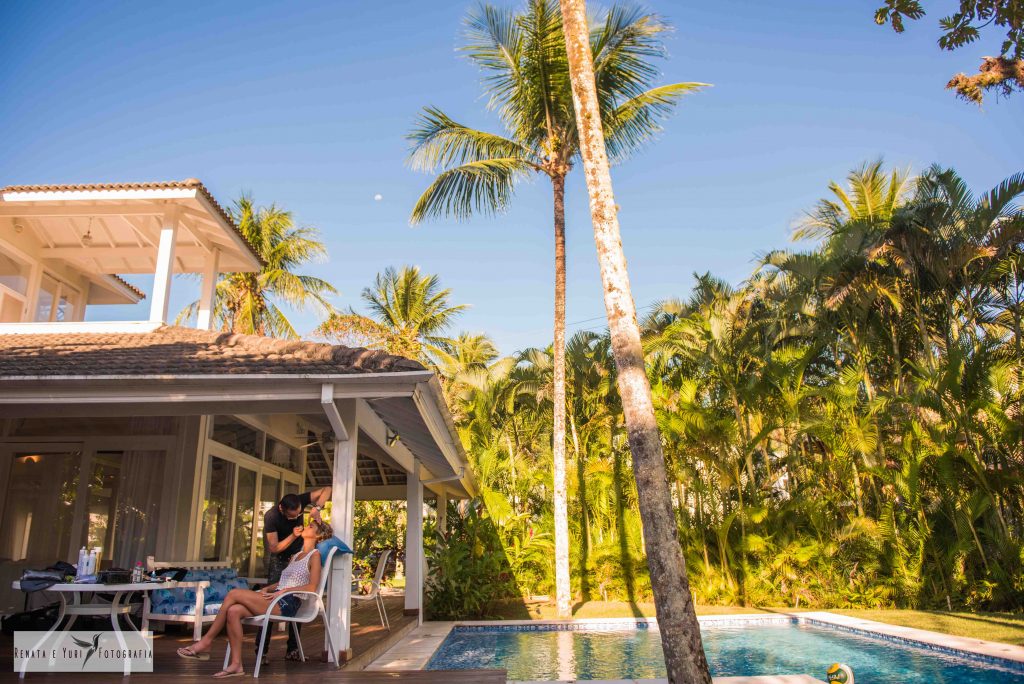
{"type": "Point", "coordinates": [332, 543]}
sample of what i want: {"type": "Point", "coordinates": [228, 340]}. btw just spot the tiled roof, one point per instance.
{"type": "Point", "coordinates": [172, 350]}
{"type": "Point", "coordinates": [187, 184]}
{"type": "Point", "coordinates": [138, 293]}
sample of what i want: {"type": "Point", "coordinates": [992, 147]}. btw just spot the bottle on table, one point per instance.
{"type": "Point", "coordinates": [83, 557]}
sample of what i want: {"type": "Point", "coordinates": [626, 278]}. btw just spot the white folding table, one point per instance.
{"type": "Point", "coordinates": [118, 606]}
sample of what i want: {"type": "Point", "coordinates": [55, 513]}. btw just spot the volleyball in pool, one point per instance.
{"type": "Point", "coordinates": [842, 674]}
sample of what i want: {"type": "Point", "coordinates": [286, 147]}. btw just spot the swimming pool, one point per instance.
{"type": "Point", "coordinates": [734, 648]}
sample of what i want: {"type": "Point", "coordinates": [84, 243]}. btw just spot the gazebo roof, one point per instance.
{"type": "Point", "coordinates": [107, 228]}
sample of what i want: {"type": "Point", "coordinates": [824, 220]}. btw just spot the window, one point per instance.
{"type": "Point", "coordinates": [245, 501]}
{"type": "Point", "coordinates": [282, 455]}
{"type": "Point", "coordinates": [57, 301]}
{"type": "Point", "coordinates": [216, 509]}
{"type": "Point", "coordinates": [40, 506]}
{"type": "Point", "coordinates": [270, 494]}
{"type": "Point", "coordinates": [14, 275]}
{"type": "Point", "coordinates": [232, 432]}
{"type": "Point", "coordinates": [124, 505]}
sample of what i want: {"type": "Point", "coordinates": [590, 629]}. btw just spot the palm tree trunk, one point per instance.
{"type": "Point", "coordinates": [685, 661]}
{"type": "Point", "coordinates": [562, 588]}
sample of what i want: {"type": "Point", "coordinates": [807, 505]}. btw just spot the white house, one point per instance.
{"type": "Point", "coordinates": [145, 438]}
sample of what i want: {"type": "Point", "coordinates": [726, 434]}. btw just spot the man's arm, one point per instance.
{"type": "Point", "coordinates": [318, 497]}
{"type": "Point", "coordinates": [275, 546]}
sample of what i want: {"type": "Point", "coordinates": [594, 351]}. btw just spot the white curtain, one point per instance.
{"type": "Point", "coordinates": [138, 506]}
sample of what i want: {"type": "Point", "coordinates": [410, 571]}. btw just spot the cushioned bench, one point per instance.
{"type": "Point", "coordinates": [190, 605]}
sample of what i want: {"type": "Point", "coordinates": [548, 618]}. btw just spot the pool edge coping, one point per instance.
{"type": "Point", "coordinates": [416, 650]}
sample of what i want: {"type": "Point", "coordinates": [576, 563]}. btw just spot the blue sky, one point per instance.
{"type": "Point", "coordinates": [306, 104]}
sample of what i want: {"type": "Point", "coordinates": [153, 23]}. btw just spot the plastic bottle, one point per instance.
{"type": "Point", "coordinates": [137, 574]}
{"type": "Point", "coordinates": [80, 568]}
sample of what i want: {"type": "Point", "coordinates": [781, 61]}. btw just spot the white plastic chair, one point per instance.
{"type": "Point", "coordinates": [374, 594]}
{"type": "Point", "coordinates": [310, 609]}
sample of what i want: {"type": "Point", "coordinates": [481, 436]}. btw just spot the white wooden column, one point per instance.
{"type": "Point", "coordinates": [164, 267]}
{"type": "Point", "coordinates": [343, 501]}
{"type": "Point", "coordinates": [414, 543]}
{"type": "Point", "coordinates": [442, 511]}
{"type": "Point", "coordinates": [208, 290]}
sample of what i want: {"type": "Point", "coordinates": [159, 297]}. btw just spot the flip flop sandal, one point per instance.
{"type": "Point", "coordinates": [188, 654]}
{"type": "Point", "coordinates": [224, 674]}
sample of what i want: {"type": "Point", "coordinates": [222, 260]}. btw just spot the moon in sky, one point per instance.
{"type": "Point", "coordinates": [378, 197]}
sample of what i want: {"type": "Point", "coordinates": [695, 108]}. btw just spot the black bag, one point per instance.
{"type": "Point", "coordinates": [172, 574]}
{"type": "Point", "coordinates": [38, 619]}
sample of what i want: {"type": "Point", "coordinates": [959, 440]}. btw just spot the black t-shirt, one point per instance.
{"type": "Point", "coordinates": [275, 521]}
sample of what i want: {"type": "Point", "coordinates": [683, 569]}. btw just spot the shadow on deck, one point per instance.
{"type": "Point", "coordinates": [369, 640]}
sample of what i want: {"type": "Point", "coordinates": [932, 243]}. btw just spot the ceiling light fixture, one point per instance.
{"type": "Point", "coordinates": [87, 238]}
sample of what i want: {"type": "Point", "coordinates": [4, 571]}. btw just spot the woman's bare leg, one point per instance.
{"type": "Point", "coordinates": [250, 599]}
{"type": "Point", "coordinates": [234, 622]}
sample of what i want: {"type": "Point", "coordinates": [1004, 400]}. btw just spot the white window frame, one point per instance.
{"type": "Point", "coordinates": [30, 280]}
{"type": "Point", "coordinates": [62, 285]}
{"type": "Point", "coordinates": [241, 459]}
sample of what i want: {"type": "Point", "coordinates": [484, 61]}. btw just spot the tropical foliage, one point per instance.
{"type": "Point", "coordinates": [843, 429]}
{"type": "Point", "coordinates": [250, 303]}
{"type": "Point", "coordinates": [409, 314]}
{"type": "Point", "coordinates": [526, 78]}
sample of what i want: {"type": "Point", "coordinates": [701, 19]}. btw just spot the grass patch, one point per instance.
{"type": "Point", "coordinates": [1005, 627]}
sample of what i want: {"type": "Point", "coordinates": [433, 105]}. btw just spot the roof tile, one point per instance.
{"type": "Point", "coordinates": [173, 350]}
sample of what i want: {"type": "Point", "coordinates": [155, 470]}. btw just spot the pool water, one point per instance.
{"type": "Point", "coordinates": [756, 649]}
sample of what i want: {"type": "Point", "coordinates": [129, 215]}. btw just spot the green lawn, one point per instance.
{"type": "Point", "coordinates": [1005, 627]}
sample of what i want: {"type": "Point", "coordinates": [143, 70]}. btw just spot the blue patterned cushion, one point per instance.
{"type": "Point", "coordinates": [185, 608]}
{"type": "Point", "coordinates": [171, 601]}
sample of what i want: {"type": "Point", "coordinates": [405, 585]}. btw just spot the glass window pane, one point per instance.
{"type": "Point", "coordinates": [47, 293]}
{"type": "Point", "coordinates": [124, 505]}
{"type": "Point", "coordinates": [14, 273]}
{"type": "Point", "coordinates": [270, 488]}
{"type": "Point", "coordinates": [67, 305]}
{"type": "Point", "coordinates": [40, 505]}
{"type": "Point", "coordinates": [245, 502]}
{"type": "Point", "coordinates": [101, 508]}
{"type": "Point", "coordinates": [216, 509]}
{"type": "Point", "coordinates": [232, 432]}
{"type": "Point", "coordinates": [282, 455]}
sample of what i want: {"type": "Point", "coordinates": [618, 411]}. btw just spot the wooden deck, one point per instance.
{"type": "Point", "coordinates": [369, 640]}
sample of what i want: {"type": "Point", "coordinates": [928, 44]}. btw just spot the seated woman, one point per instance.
{"type": "Point", "coordinates": [301, 574]}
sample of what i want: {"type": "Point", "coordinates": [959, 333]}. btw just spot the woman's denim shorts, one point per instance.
{"type": "Point", "coordinates": [289, 605]}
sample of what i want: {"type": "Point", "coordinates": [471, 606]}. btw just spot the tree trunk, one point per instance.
{"type": "Point", "coordinates": [581, 483]}
{"type": "Point", "coordinates": [562, 589]}
{"type": "Point", "coordinates": [685, 662]}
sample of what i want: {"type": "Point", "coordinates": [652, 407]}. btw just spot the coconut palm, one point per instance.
{"type": "Point", "coordinates": [523, 59]}
{"type": "Point", "coordinates": [248, 302]}
{"type": "Point", "coordinates": [680, 632]}
{"type": "Point", "coordinates": [409, 315]}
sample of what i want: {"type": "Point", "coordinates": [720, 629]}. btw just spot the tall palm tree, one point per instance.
{"type": "Point", "coordinates": [526, 78]}
{"type": "Point", "coordinates": [409, 315]}
{"type": "Point", "coordinates": [680, 632]}
{"type": "Point", "coordinates": [248, 302]}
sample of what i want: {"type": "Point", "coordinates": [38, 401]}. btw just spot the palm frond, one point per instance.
{"type": "Point", "coordinates": [438, 141]}
{"type": "Point", "coordinates": [479, 187]}
{"type": "Point", "coordinates": [634, 122]}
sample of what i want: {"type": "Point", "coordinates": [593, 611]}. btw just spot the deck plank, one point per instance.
{"type": "Point", "coordinates": [367, 633]}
